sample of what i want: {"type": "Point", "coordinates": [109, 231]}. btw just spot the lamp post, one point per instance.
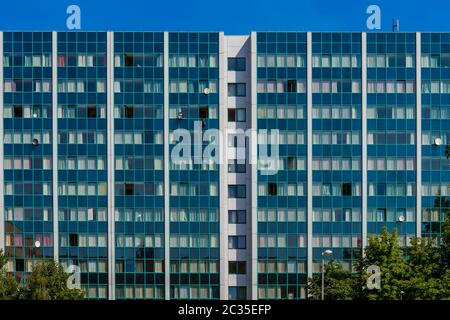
{"type": "Point", "coordinates": [326, 253]}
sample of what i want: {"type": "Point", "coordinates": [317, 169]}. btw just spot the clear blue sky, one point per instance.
{"type": "Point", "coordinates": [231, 16]}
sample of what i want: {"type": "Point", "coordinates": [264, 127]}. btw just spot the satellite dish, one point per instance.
{"type": "Point", "coordinates": [401, 219]}
{"type": "Point", "coordinates": [35, 142]}
{"type": "Point", "coordinates": [180, 115]}
{"type": "Point", "coordinates": [437, 141]}
{"type": "Point", "coordinates": [37, 244]}
{"type": "Point", "coordinates": [206, 91]}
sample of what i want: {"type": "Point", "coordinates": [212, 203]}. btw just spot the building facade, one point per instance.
{"type": "Point", "coordinates": [290, 144]}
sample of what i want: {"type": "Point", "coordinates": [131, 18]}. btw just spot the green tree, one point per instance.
{"type": "Point", "coordinates": [48, 281]}
{"type": "Point", "coordinates": [385, 252]}
{"type": "Point", "coordinates": [423, 280]}
{"type": "Point", "coordinates": [338, 283]}
{"type": "Point", "coordinates": [8, 284]}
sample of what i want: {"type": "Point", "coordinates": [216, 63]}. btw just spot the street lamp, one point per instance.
{"type": "Point", "coordinates": [326, 253]}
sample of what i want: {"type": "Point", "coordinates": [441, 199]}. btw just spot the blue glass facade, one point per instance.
{"type": "Point", "coordinates": [281, 104]}
{"type": "Point", "coordinates": [194, 196]}
{"type": "Point", "coordinates": [139, 164]}
{"type": "Point", "coordinates": [90, 121]}
{"type": "Point", "coordinates": [27, 149]}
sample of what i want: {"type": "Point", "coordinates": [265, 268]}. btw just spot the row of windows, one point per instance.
{"type": "Point", "coordinates": [336, 86]}
{"type": "Point", "coordinates": [139, 215]}
{"type": "Point", "coordinates": [189, 165]}
{"type": "Point", "coordinates": [390, 61]}
{"type": "Point", "coordinates": [335, 61]}
{"type": "Point", "coordinates": [134, 138]}
{"type": "Point", "coordinates": [139, 240]}
{"type": "Point", "coordinates": [81, 163]}
{"type": "Point", "coordinates": [435, 86]}
{"type": "Point", "coordinates": [281, 292]}
{"type": "Point", "coordinates": [434, 189]}
{"type": "Point", "coordinates": [193, 61]}
{"type": "Point", "coordinates": [82, 60]}
{"type": "Point", "coordinates": [82, 189]}
{"type": "Point", "coordinates": [281, 215]}
{"type": "Point", "coordinates": [438, 164]}
{"type": "Point", "coordinates": [193, 189]}
{"type": "Point", "coordinates": [28, 240]}
{"type": "Point", "coordinates": [436, 112]}
{"type": "Point", "coordinates": [391, 215]}
{"type": "Point", "coordinates": [194, 266]}
{"type": "Point", "coordinates": [27, 163]}
{"type": "Point", "coordinates": [82, 214]}
{"type": "Point", "coordinates": [284, 137]}
{"type": "Point", "coordinates": [141, 292]}
{"type": "Point", "coordinates": [336, 189]}
{"type": "Point", "coordinates": [336, 112]}
{"type": "Point", "coordinates": [194, 241]}
{"type": "Point", "coordinates": [138, 60]}
{"type": "Point", "coordinates": [336, 241]}
{"type": "Point", "coordinates": [281, 241]}
{"type": "Point", "coordinates": [28, 85]}
{"type": "Point", "coordinates": [194, 215]}
{"type": "Point", "coordinates": [28, 188]}
{"type": "Point", "coordinates": [81, 137]}
{"type": "Point", "coordinates": [391, 86]}
{"type": "Point", "coordinates": [193, 292]}
{"type": "Point", "coordinates": [139, 189]}
{"type": "Point", "coordinates": [281, 112]}
{"type": "Point", "coordinates": [27, 60]}
{"type": "Point", "coordinates": [333, 137]}
{"type": "Point", "coordinates": [275, 266]}
{"type": "Point", "coordinates": [193, 111]}
{"type": "Point", "coordinates": [292, 163]}
{"type": "Point", "coordinates": [429, 138]}
{"type": "Point", "coordinates": [436, 60]}
{"type": "Point", "coordinates": [26, 136]}
{"type": "Point", "coordinates": [82, 86]}
{"type": "Point", "coordinates": [400, 164]}
{"type": "Point", "coordinates": [82, 111]}
{"type": "Point", "coordinates": [392, 189]}
{"type": "Point", "coordinates": [433, 215]}
{"type": "Point", "coordinates": [139, 163]}
{"type": "Point", "coordinates": [139, 266]}
{"type": "Point", "coordinates": [391, 112]}
{"type": "Point", "coordinates": [28, 214]}
{"type": "Point", "coordinates": [135, 85]}
{"type": "Point", "coordinates": [281, 61]}
{"type": "Point", "coordinates": [193, 86]}
{"type": "Point", "coordinates": [281, 86]}
{"type": "Point", "coordinates": [83, 240]}
{"type": "Point", "coordinates": [336, 215]}
{"type": "Point", "coordinates": [391, 138]}
{"type": "Point", "coordinates": [338, 164]}
{"type": "Point", "coordinates": [27, 111]}
{"type": "Point", "coordinates": [138, 111]}
{"type": "Point", "coordinates": [281, 189]}
{"type": "Point", "coordinates": [94, 266]}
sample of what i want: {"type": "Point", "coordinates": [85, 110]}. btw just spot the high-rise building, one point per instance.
{"type": "Point", "coordinates": [131, 157]}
